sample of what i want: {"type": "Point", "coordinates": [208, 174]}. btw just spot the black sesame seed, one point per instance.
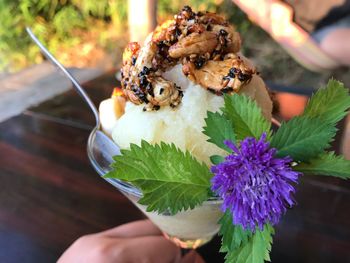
{"type": "Point", "coordinates": [143, 98]}
{"type": "Point", "coordinates": [134, 88]}
{"type": "Point", "coordinates": [149, 89]}
{"type": "Point", "coordinates": [223, 32]}
{"type": "Point", "coordinates": [161, 91]}
{"type": "Point", "coordinates": [231, 73]}
{"type": "Point", "coordinates": [145, 70]}
{"type": "Point", "coordinates": [143, 81]}
{"type": "Point", "coordinates": [177, 32]}
{"type": "Point", "coordinates": [187, 8]}
{"type": "Point", "coordinates": [133, 61]}
{"type": "Point", "coordinates": [243, 77]}
{"type": "Point", "coordinates": [227, 89]}
{"type": "Point", "coordinates": [209, 27]}
{"type": "Point", "coordinates": [141, 95]}
{"type": "Point", "coordinates": [187, 12]}
{"type": "Point", "coordinates": [156, 107]}
{"type": "Point", "coordinates": [225, 42]}
{"type": "Point", "coordinates": [199, 62]}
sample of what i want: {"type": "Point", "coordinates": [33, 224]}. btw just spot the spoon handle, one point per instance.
{"type": "Point", "coordinates": [76, 84]}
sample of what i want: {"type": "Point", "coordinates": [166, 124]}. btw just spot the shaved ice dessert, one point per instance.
{"type": "Point", "coordinates": [182, 71]}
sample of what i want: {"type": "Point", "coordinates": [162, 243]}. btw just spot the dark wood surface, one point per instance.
{"type": "Point", "coordinates": [50, 195]}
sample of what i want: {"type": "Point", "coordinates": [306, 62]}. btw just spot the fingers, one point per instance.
{"type": "Point", "coordinates": [110, 249]}
{"type": "Point", "coordinates": [135, 229]}
{"type": "Point", "coordinates": [136, 241]}
{"type": "Point", "coordinates": [146, 249]}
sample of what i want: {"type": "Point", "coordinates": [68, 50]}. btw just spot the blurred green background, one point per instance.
{"type": "Point", "coordinates": [85, 26]}
{"type": "Point", "coordinates": [82, 32]}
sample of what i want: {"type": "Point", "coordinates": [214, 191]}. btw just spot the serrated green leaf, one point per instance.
{"type": "Point", "coordinates": [326, 164]}
{"type": "Point", "coordinates": [302, 138]}
{"type": "Point", "coordinates": [216, 159]}
{"type": "Point", "coordinates": [245, 116]}
{"type": "Point", "coordinates": [330, 103]}
{"type": "Point", "coordinates": [233, 236]}
{"type": "Point", "coordinates": [256, 250]}
{"type": "Point", "coordinates": [169, 178]}
{"type": "Point", "coordinates": [219, 129]}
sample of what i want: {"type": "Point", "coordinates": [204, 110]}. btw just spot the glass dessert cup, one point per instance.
{"type": "Point", "coordinates": [188, 229]}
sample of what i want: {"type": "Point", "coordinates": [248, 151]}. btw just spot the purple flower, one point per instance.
{"type": "Point", "coordinates": [254, 185]}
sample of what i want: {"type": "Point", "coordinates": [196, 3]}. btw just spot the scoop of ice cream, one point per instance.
{"type": "Point", "coordinates": [108, 117]}
{"type": "Point", "coordinates": [110, 110]}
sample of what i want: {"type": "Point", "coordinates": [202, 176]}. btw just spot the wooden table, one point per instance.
{"type": "Point", "coordinates": [50, 195]}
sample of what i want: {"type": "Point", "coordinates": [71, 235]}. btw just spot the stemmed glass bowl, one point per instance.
{"type": "Point", "coordinates": [187, 229]}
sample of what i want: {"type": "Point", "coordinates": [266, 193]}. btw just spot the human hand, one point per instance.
{"type": "Point", "coordinates": [139, 241]}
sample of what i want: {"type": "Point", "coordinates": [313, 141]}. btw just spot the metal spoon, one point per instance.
{"type": "Point", "coordinates": [101, 148]}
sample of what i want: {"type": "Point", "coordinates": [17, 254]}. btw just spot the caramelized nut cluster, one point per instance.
{"type": "Point", "coordinates": [206, 46]}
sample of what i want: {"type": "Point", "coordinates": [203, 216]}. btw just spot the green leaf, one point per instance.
{"type": "Point", "coordinates": [169, 178]}
{"type": "Point", "coordinates": [245, 116]}
{"type": "Point", "coordinates": [326, 164]}
{"type": "Point", "coordinates": [219, 129]}
{"type": "Point", "coordinates": [307, 136]}
{"type": "Point", "coordinates": [216, 159]}
{"type": "Point", "coordinates": [330, 103]}
{"type": "Point", "coordinates": [302, 138]}
{"type": "Point", "coordinates": [244, 246]}
{"type": "Point", "coordinates": [256, 250]}
{"type": "Point", "coordinates": [233, 236]}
